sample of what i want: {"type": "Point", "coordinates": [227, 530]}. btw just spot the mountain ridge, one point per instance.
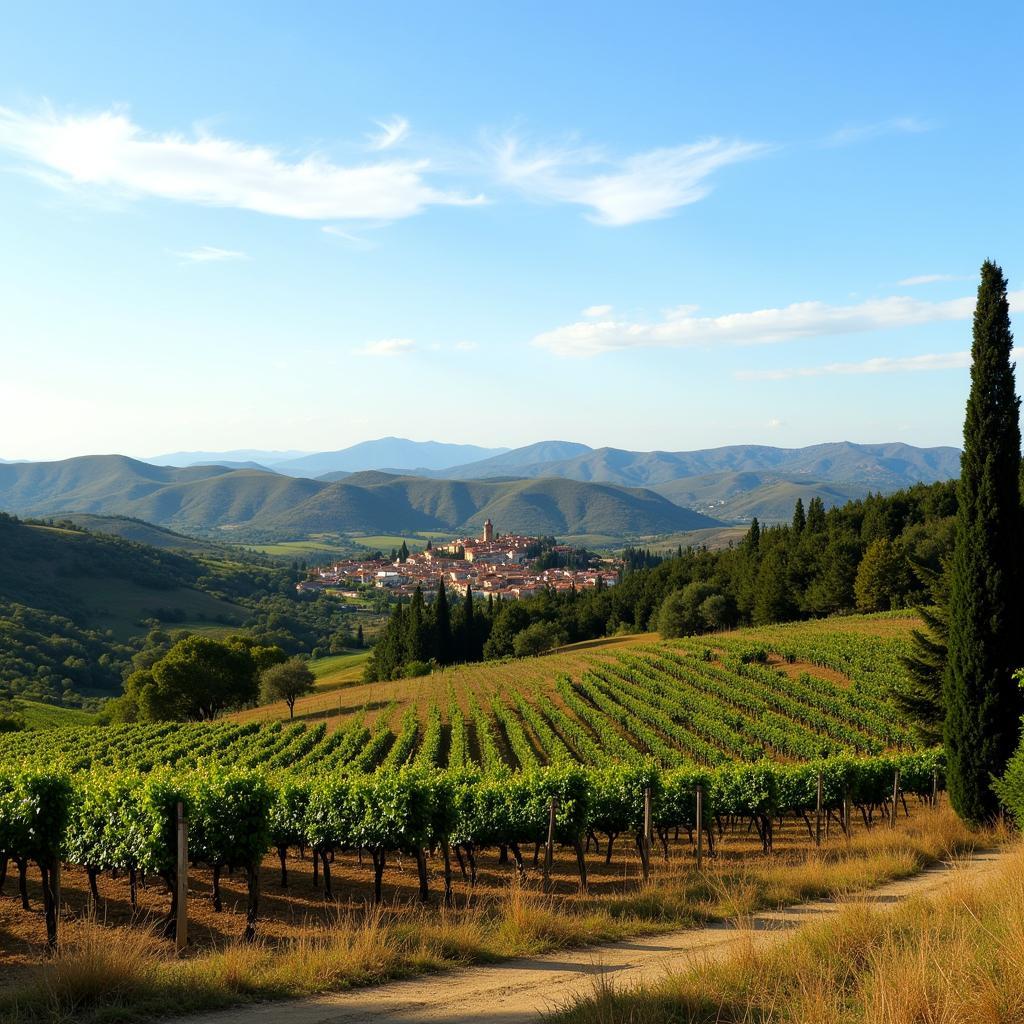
{"type": "Point", "coordinates": [210, 498]}
{"type": "Point", "coordinates": [730, 483]}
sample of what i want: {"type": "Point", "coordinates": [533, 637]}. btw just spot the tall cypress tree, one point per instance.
{"type": "Point", "coordinates": [981, 699]}
{"type": "Point", "coordinates": [816, 516]}
{"type": "Point", "coordinates": [417, 634]}
{"type": "Point", "coordinates": [467, 644]}
{"type": "Point", "coordinates": [442, 627]}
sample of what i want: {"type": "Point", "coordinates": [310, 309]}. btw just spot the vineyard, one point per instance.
{"type": "Point", "coordinates": [770, 728]}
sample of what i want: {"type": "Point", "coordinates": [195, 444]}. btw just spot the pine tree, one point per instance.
{"type": "Point", "coordinates": [773, 601]}
{"type": "Point", "coordinates": [918, 695]}
{"type": "Point", "coordinates": [403, 552]}
{"type": "Point", "coordinates": [442, 627]}
{"type": "Point", "coordinates": [752, 541]}
{"type": "Point", "coordinates": [982, 701]}
{"type": "Point", "coordinates": [816, 516]}
{"type": "Point", "coordinates": [360, 642]}
{"type": "Point", "coordinates": [799, 519]}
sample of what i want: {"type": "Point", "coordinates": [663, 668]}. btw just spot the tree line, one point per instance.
{"type": "Point", "coordinates": [873, 554]}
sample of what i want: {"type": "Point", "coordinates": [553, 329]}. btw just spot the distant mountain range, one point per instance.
{"type": "Point", "coordinates": [391, 453]}
{"type": "Point", "coordinates": [735, 482]}
{"type": "Point", "coordinates": [206, 498]}
{"type": "Point", "coordinates": [558, 487]}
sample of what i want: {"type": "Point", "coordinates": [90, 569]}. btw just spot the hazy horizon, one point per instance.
{"type": "Point", "coordinates": [248, 454]}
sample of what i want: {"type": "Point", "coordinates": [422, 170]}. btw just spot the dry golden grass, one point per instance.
{"type": "Point", "coordinates": [103, 973]}
{"type": "Point", "coordinates": [954, 958]}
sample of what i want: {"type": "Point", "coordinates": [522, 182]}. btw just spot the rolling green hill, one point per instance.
{"type": "Point", "coordinates": [378, 502]}
{"type": "Point", "coordinates": [265, 506]}
{"type": "Point", "coordinates": [138, 531]}
{"type": "Point", "coordinates": [73, 604]}
{"type": "Point", "coordinates": [878, 466]}
{"type": "Point", "coordinates": [76, 606]}
{"type": "Point", "coordinates": [743, 494]}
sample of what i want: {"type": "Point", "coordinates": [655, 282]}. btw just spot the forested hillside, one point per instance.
{"type": "Point", "coordinates": [75, 606]}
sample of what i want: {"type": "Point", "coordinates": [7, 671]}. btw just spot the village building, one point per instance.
{"type": "Point", "coordinates": [493, 565]}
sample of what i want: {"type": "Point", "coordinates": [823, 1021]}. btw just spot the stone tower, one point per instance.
{"type": "Point", "coordinates": [488, 531]}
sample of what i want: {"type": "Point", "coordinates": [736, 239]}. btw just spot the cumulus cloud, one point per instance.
{"type": "Point", "coordinates": [392, 131]}
{"type": "Point", "coordinates": [850, 134]}
{"type": "Point", "coordinates": [387, 347]}
{"type": "Point", "coordinates": [109, 152]}
{"type": "Point", "coordinates": [680, 328]}
{"type": "Point", "coordinates": [211, 254]}
{"type": "Point", "coordinates": [617, 192]}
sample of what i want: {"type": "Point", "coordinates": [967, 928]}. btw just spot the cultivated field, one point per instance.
{"type": "Point", "coordinates": [440, 789]}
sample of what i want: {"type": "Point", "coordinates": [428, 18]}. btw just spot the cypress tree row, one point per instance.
{"type": "Point", "coordinates": [982, 701]}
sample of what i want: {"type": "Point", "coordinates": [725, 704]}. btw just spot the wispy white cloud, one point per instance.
{"type": "Point", "coordinates": [881, 364]}
{"type": "Point", "coordinates": [211, 254]}
{"type": "Point", "coordinates": [387, 347]}
{"type": "Point", "coordinates": [392, 131]}
{"type": "Point", "coordinates": [849, 134]}
{"type": "Point", "coordinates": [354, 241]}
{"type": "Point", "coordinates": [466, 346]}
{"type": "Point", "coordinates": [596, 312]}
{"type": "Point", "coordinates": [110, 153]}
{"type": "Point", "coordinates": [680, 328]}
{"type": "Point", "coordinates": [913, 282]}
{"type": "Point", "coordinates": [775, 423]}
{"type": "Point", "coordinates": [617, 192]}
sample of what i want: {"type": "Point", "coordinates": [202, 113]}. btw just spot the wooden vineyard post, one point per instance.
{"type": "Point", "coordinates": [700, 825]}
{"type": "Point", "coordinates": [447, 850]}
{"type": "Point", "coordinates": [56, 892]}
{"type": "Point", "coordinates": [817, 812]}
{"type": "Point", "coordinates": [648, 839]}
{"type": "Point", "coordinates": [181, 882]}
{"type": "Point", "coordinates": [895, 798]}
{"type": "Point", "coordinates": [549, 849]}
{"type": "Point", "coordinates": [847, 808]}
{"type": "Point", "coordinates": [935, 786]}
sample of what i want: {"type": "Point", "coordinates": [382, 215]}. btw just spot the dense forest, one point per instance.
{"type": "Point", "coordinates": [869, 555]}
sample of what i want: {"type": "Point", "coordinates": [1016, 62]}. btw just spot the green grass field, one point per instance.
{"type": "Point", "coordinates": [317, 546]}
{"type": "Point", "coordinates": [49, 716]}
{"type": "Point", "coordinates": [120, 605]}
{"type": "Point", "coordinates": [212, 629]}
{"type": "Point", "coordinates": [338, 669]}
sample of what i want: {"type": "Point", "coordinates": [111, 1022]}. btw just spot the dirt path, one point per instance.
{"type": "Point", "coordinates": [520, 990]}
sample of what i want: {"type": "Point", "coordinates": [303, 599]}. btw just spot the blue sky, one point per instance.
{"type": "Point", "coordinates": [644, 225]}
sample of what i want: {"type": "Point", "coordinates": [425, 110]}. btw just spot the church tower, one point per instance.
{"type": "Point", "coordinates": [488, 531]}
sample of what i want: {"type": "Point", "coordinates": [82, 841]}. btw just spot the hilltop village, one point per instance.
{"type": "Point", "coordinates": [502, 566]}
